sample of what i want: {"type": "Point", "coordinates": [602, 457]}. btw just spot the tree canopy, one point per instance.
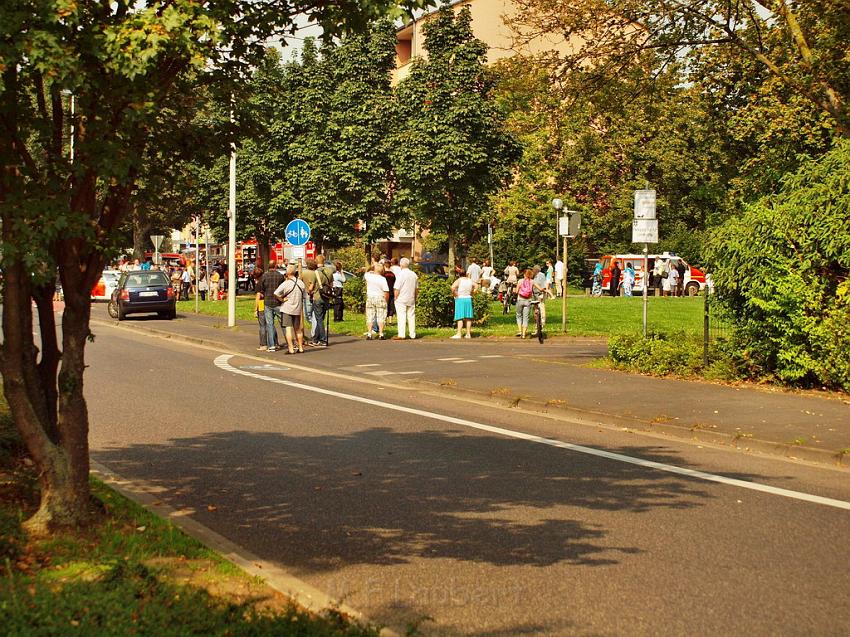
{"type": "Point", "coordinates": [804, 45]}
{"type": "Point", "coordinates": [138, 72]}
{"type": "Point", "coordinates": [451, 149]}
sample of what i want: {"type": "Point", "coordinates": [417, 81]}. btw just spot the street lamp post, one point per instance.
{"type": "Point", "coordinates": [558, 204]}
{"type": "Point", "coordinates": [232, 283]}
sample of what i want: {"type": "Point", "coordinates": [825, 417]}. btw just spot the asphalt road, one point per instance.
{"type": "Point", "coordinates": [408, 515]}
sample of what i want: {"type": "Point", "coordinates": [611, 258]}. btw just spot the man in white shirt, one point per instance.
{"type": "Point", "coordinates": [559, 278]}
{"type": "Point", "coordinates": [406, 289]}
{"type": "Point", "coordinates": [474, 272]}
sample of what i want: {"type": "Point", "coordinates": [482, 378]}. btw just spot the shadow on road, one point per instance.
{"type": "Point", "coordinates": [381, 496]}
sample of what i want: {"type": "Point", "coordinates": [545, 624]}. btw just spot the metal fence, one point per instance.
{"type": "Point", "coordinates": [716, 323]}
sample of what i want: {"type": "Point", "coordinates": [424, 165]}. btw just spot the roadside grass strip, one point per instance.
{"type": "Point", "coordinates": [222, 362]}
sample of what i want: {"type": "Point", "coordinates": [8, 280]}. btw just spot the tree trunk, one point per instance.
{"type": "Point", "coordinates": [141, 230]}
{"type": "Point", "coordinates": [60, 448]}
{"type": "Point", "coordinates": [451, 253]}
{"type": "Point", "coordinates": [367, 249]}
{"type": "Point", "coordinates": [263, 253]}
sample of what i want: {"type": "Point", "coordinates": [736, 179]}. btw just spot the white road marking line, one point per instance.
{"type": "Point", "coordinates": [368, 365]}
{"type": "Point", "coordinates": [454, 358]}
{"type": "Point", "coordinates": [380, 372]}
{"type": "Point", "coordinates": [405, 373]}
{"type": "Point", "coordinates": [463, 361]}
{"type": "Point", "coordinates": [492, 356]}
{"type": "Point", "coordinates": [222, 363]}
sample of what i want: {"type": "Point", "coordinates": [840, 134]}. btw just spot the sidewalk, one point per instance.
{"type": "Point", "coordinates": [554, 378]}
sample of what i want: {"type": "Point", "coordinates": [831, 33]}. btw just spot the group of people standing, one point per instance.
{"type": "Point", "coordinates": [391, 289]}
{"type": "Point", "coordinates": [667, 277]}
{"type": "Point", "coordinates": [288, 296]}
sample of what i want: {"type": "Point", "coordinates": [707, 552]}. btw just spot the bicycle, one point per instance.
{"type": "Point", "coordinates": [538, 319]}
{"type": "Point", "coordinates": [508, 297]}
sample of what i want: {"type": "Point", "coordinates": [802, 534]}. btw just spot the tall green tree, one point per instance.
{"type": "Point", "coordinates": [803, 45]}
{"type": "Point", "coordinates": [595, 148]}
{"type": "Point", "coordinates": [130, 67]}
{"type": "Point", "coordinates": [451, 149]}
{"type": "Point", "coordinates": [359, 134]}
{"type": "Point", "coordinates": [262, 207]}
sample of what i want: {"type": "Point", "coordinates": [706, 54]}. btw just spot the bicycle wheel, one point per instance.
{"type": "Point", "coordinates": [506, 303]}
{"type": "Point", "coordinates": [538, 319]}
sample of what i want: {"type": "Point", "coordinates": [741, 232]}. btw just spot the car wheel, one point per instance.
{"type": "Point", "coordinates": [112, 308]}
{"type": "Point", "coordinates": [121, 314]}
{"type": "Point", "coordinates": [692, 289]}
{"type": "Point", "coordinates": [172, 314]}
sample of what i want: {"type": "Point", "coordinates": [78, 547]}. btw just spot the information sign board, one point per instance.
{"type": "Point", "coordinates": [645, 231]}
{"type": "Point", "coordinates": [644, 204]}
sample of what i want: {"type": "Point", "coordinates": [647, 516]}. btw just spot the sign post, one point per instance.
{"type": "Point", "coordinates": [156, 239]}
{"type": "Point", "coordinates": [645, 231]}
{"type": "Point", "coordinates": [490, 243]}
{"type": "Point", "coordinates": [297, 234]}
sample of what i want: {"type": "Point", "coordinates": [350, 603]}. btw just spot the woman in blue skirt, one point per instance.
{"type": "Point", "coordinates": [463, 289]}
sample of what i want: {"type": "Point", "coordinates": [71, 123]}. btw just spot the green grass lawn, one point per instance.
{"type": "Point", "coordinates": [587, 316]}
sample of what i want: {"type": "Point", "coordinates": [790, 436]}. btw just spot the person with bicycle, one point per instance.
{"type": "Point", "coordinates": [525, 292]}
{"type": "Point", "coordinates": [510, 282]}
{"type": "Point", "coordinates": [511, 275]}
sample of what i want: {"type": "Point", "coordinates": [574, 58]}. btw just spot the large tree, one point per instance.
{"type": "Point", "coordinates": [356, 200]}
{"type": "Point", "coordinates": [262, 206]}
{"type": "Point", "coordinates": [803, 44]}
{"type": "Point", "coordinates": [451, 149]}
{"type": "Point", "coordinates": [129, 66]}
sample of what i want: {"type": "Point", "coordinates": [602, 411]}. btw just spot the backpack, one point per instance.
{"type": "Point", "coordinates": [525, 289]}
{"type": "Point", "coordinates": [325, 289]}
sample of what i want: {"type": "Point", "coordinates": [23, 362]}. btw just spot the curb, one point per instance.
{"type": "Point", "coordinates": [298, 590]}
{"type": "Point", "coordinates": [787, 451]}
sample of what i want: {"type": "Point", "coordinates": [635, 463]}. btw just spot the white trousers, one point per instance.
{"type": "Point", "coordinates": [406, 317]}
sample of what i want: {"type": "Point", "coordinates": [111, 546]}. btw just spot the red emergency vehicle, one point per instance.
{"type": "Point", "coordinates": [694, 279]}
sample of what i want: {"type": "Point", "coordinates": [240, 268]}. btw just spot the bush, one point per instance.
{"type": "Point", "coordinates": [435, 304]}
{"type": "Point", "coordinates": [481, 306]}
{"type": "Point", "coordinates": [781, 270]}
{"type": "Point", "coordinates": [661, 354]}
{"type": "Point", "coordinates": [354, 294]}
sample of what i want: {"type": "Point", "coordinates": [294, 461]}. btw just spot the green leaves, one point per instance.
{"type": "Point", "coordinates": [782, 268]}
{"type": "Point", "coordinates": [451, 149]}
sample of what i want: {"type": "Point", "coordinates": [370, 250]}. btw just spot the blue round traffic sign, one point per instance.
{"type": "Point", "coordinates": [297, 232]}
